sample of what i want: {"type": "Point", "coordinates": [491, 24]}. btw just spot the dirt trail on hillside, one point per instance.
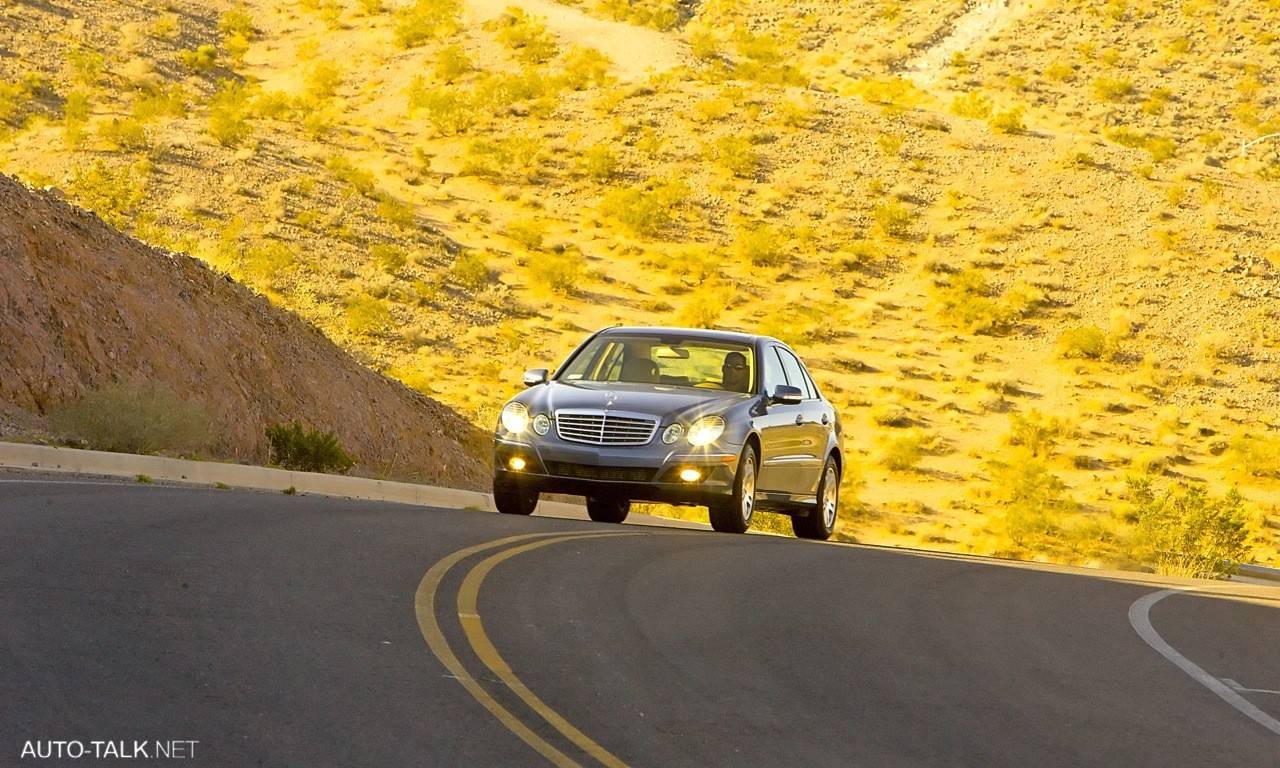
{"type": "Point", "coordinates": [635, 50]}
{"type": "Point", "coordinates": [980, 23]}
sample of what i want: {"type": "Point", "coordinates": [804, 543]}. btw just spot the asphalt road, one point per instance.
{"type": "Point", "coordinates": [284, 631]}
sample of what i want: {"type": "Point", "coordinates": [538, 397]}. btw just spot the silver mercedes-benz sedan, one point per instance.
{"type": "Point", "coordinates": [694, 417]}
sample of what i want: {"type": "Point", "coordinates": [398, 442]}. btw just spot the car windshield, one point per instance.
{"type": "Point", "coordinates": [663, 360]}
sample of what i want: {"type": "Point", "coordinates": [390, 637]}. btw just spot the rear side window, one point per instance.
{"type": "Point", "coordinates": [795, 374]}
{"type": "Point", "coordinates": [773, 374]}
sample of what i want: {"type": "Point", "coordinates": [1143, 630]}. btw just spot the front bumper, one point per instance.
{"type": "Point", "coordinates": [640, 473]}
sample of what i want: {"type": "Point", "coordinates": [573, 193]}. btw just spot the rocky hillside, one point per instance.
{"type": "Point", "coordinates": [82, 306]}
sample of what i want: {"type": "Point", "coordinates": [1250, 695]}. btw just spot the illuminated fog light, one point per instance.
{"type": "Point", "coordinates": [515, 417]}
{"type": "Point", "coordinates": [690, 475]}
{"type": "Point", "coordinates": [706, 430]}
{"type": "Point", "coordinates": [672, 433]}
{"type": "Point", "coordinates": [516, 463]}
{"type": "Point", "coordinates": [542, 424]}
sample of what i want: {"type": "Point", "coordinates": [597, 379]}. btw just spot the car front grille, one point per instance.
{"type": "Point", "coordinates": [593, 472]}
{"type": "Point", "coordinates": [603, 428]}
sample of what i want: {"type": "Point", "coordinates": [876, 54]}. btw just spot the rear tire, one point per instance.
{"type": "Point", "coordinates": [820, 523]}
{"type": "Point", "coordinates": [733, 515]}
{"type": "Point", "coordinates": [607, 509]}
{"type": "Point", "coordinates": [511, 499]}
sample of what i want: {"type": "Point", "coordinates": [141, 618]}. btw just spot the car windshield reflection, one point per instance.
{"type": "Point", "coordinates": [663, 362]}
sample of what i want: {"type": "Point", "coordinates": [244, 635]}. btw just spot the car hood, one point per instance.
{"type": "Point", "coordinates": [667, 403]}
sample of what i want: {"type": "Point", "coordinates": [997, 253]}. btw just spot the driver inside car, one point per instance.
{"type": "Point", "coordinates": [736, 377]}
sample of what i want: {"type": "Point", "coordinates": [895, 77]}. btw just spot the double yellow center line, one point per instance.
{"type": "Point", "coordinates": [469, 617]}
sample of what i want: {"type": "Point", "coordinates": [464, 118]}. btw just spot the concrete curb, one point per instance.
{"type": "Point", "coordinates": [49, 458]}
{"type": "Point", "coordinates": [73, 460]}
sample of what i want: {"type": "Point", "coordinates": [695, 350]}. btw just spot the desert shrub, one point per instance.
{"type": "Point", "coordinates": [658, 14]}
{"type": "Point", "coordinates": [165, 101]}
{"type": "Point", "coordinates": [524, 35]}
{"type": "Point", "coordinates": [1186, 532]}
{"type": "Point", "coordinates": [202, 59]}
{"type": "Point", "coordinates": [734, 154]}
{"type": "Point", "coordinates": [307, 450]}
{"type": "Point", "coordinates": [645, 211]}
{"type": "Point", "coordinates": [262, 263]}
{"type": "Point", "coordinates": [701, 311]}
{"type": "Point", "coordinates": [761, 245]}
{"type": "Point", "coordinates": [398, 213]}
{"type": "Point", "coordinates": [134, 418]}
{"type": "Point", "coordinates": [559, 273]}
{"type": "Point", "coordinates": [966, 300]}
{"type": "Point", "coordinates": [528, 232]}
{"type": "Point", "coordinates": [1008, 121]}
{"type": "Point", "coordinates": [236, 21]}
{"type": "Point", "coordinates": [367, 315]}
{"type": "Point", "coordinates": [424, 20]}
{"type": "Point", "coordinates": [360, 178]}
{"type": "Point", "coordinates": [76, 108]}
{"type": "Point", "coordinates": [1037, 434]}
{"type": "Point", "coordinates": [229, 113]}
{"type": "Point", "coordinates": [508, 157]}
{"type": "Point", "coordinates": [87, 65]}
{"type": "Point", "coordinates": [470, 270]}
{"type": "Point", "coordinates": [893, 219]}
{"type": "Point", "coordinates": [112, 193]}
{"type": "Point", "coordinates": [1032, 499]}
{"type": "Point", "coordinates": [390, 258]}
{"type": "Point", "coordinates": [761, 59]}
{"type": "Point", "coordinates": [1088, 342]}
{"type": "Point", "coordinates": [583, 67]}
{"type": "Point", "coordinates": [13, 101]}
{"type": "Point", "coordinates": [452, 62]}
{"type": "Point", "coordinates": [600, 163]}
{"type": "Point", "coordinates": [323, 81]}
{"type": "Point", "coordinates": [449, 112]}
{"type": "Point", "coordinates": [973, 105]}
{"type": "Point", "coordinates": [1112, 88]}
{"type": "Point", "coordinates": [1257, 456]}
{"type": "Point", "coordinates": [127, 134]}
{"type": "Point", "coordinates": [902, 453]}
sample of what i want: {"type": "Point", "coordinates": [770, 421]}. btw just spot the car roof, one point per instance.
{"type": "Point", "coordinates": [693, 333]}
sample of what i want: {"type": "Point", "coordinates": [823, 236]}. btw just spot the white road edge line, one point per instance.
{"type": "Point", "coordinates": [1140, 618]}
{"type": "Point", "coordinates": [1238, 688]}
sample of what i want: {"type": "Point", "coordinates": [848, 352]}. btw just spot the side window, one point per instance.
{"type": "Point", "coordinates": [773, 373]}
{"type": "Point", "coordinates": [795, 374]}
{"type": "Point", "coordinates": [813, 386]}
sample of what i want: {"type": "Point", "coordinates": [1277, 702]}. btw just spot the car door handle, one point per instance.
{"type": "Point", "coordinates": [825, 420]}
{"type": "Point", "coordinates": [799, 419]}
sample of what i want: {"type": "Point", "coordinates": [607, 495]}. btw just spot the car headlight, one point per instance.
{"type": "Point", "coordinates": [515, 417]}
{"type": "Point", "coordinates": [542, 423]}
{"type": "Point", "coordinates": [706, 430]}
{"type": "Point", "coordinates": [672, 433]}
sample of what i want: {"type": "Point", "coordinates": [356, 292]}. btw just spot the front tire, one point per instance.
{"type": "Point", "coordinates": [605, 509]}
{"type": "Point", "coordinates": [820, 523]}
{"type": "Point", "coordinates": [511, 499]}
{"type": "Point", "coordinates": [733, 515]}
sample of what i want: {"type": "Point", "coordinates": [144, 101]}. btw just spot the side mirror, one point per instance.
{"type": "Point", "coordinates": [536, 376]}
{"type": "Point", "coordinates": [786, 395]}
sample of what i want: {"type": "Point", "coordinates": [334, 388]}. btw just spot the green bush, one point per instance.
{"type": "Point", "coordinates": [367, 315]}
{"type": "Point", "coordinates": [559, 273]}
{"type": "Point", "coordinates": [236, 21]}
{"type": "Point", "coordinates": [902, 453]}
{"type": "Point", "coordinates": [600, 163]}
{"type": "Point", "coordinates": [1257, 456]}
{"type": "Point", "coordinates": [303, 450]}
{"type": "Point", "coordinates": [893, 219]}
{"type": "Point", "coordinates": [645, 211]}
{"type": "Point", "coordinates": [229, 114]}
{"type": "Point", "coordinates": [701, 311]}
{"type": "Point", "coordinates": [126, 134]}
{"type": "Point", "coordinates": [761, 245]}
{"type": "Point", "coordinates": [1032, 496]}
{"type": "Point", "coordinates": [525, 35]}
{"type": "Point", "coordinates": [112, 193]}
{"type": "Point", "coordinates": [973, 105]}
{"type": "Point", "coordinates": [1008, 121]}
{"type": "Point", "coordinates": [470, 270]}
{"type": "Point", "coordinates": [1087, 342]}
{"type": "Point", "coordinates": [1112, 88]}
{"type": "Point", "coordinates": [1034, 432]}
{"type": "Point", "coordinates": [734, 154]}
{"type": "Point", "coordinates": [452, 62]}
{"type": "Point", "coordinates": [583, 67]}
{"type": "Point", "coordinates": [396, 212]}
{"type": "Point", "coordinates": [1188, 532]}
{"type": "Point", "coordinates": [424, 20]}
{"type": "Point", "coordinates": [201, 59]}
{"type": "Point", "coordinates": [528, 232]}
{"type": "Point", "coordinates": [134, 418]}
{"type": "Point", "coordinates": [389, 258]}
